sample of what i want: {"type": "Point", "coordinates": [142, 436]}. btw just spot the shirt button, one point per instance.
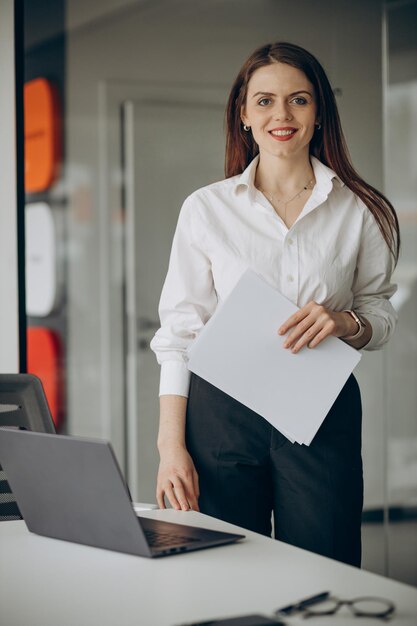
{"type": "Point", "coordinates": [290, 241]}
{"type": "Point", "coordinates": [290, 278]}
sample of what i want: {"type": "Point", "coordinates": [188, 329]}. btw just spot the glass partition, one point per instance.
{"type": "Point", "coordinates": [136, 94]}
{"type": "Point", "coordinates": [400, 156]}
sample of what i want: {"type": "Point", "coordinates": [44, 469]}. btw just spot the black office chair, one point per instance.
{"type": "Point", "coordinates": [22, 405]}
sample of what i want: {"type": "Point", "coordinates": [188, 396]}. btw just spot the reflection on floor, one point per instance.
{"type": "Point", "coordinates": [402, 550]}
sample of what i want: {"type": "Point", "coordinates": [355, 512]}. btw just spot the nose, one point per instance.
{"type": "Point", "coordinates": [281, 110]}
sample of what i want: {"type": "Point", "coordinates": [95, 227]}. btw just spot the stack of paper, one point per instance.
{"type": "Point", "coordinates": [240, 352]}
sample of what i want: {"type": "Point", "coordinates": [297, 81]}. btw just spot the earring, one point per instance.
{"type": "Point", "coordinates": [318, 126]}
{"type": "Point", "coordinates": [246, 128]}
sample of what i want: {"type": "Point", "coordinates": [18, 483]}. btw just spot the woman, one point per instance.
{"type": "Point", "coordinates": [293, 209]}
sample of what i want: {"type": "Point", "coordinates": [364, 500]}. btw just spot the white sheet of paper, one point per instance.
{"type": "Point", "coordinates": [240, 352]}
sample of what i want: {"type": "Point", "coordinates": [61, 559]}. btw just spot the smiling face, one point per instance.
{"type": "Point", "coordinates": [281, 110]}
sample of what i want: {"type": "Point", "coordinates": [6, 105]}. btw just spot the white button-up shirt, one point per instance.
{"type": "Point", "coordinates": [334, 254]}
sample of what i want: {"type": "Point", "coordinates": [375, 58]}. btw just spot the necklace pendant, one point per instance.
{"type": "Point", "coordinates": [273, 200]}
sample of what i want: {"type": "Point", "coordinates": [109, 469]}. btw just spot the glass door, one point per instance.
{"type": "Point", "coordinates": [162, 164]}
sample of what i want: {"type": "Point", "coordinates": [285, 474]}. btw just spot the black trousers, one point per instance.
{"type": "Point", "coordinates": [249, 470]}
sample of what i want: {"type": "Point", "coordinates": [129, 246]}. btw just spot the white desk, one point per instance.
{"type": "Point", "coordinates": [46, 582]}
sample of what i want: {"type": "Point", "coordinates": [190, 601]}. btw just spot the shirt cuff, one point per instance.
{"type": "Point", "coordinates": [175, 379]}
{"type": "Point", "coordinates": [380, 332]}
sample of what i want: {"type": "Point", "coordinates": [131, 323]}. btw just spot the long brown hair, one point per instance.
{"type": "Point", "coordinates": [328, 143]}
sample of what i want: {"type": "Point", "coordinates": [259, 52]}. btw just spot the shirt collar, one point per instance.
{"type": "Point", "coordinates": [246, 180]}
{"type": "Point", "coordinates": [323, 174]}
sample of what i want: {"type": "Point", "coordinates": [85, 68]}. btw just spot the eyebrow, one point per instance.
{"type": "Point", "coordinates": [269, 93]}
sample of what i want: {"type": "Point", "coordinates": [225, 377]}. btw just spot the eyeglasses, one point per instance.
{"type": "Point", "coordinates": [325, 604]}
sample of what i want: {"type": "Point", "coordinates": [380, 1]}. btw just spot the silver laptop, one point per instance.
{"type": "Point", "coordinates": [72, 488]}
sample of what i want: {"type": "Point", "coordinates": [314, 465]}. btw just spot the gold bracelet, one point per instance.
{"type": "Point", "coordinates": [361, 326]}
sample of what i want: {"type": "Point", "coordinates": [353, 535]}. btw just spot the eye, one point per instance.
{"type": "Point", "coordinates": [263, 102]}
{"type": "Point", "coordinates": [299, 100]}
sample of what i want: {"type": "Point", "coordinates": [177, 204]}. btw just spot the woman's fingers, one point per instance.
{"type": "Point", "coordinates": [307, 337]}
{"type": "Point", "coordinates": [160, 498]}
{"type": "Point", "coordinates": [177, 480]}
{"type": "Point", "coordinates": [325, 332]}
{"type": "Point", "coordinates": [310, 325]}
{"type": "Point", "coordinates": [192, 492]}
{"type": "Point", "coordinates": [303, 333]}
{"type": "Point", "coordinates": [180, 495]}
{"type": "Point", "coordinates": [186, 493]}
{"type": "Point", "coordinates": [165, 488]}
{"type": "Point", "coordinates": [315, 335]}
{"type": "Point", "coordinates": [196, 489]}
{"type": "Point", "coordinates": [304, 329]}
{"type": "Point", "coordinates": [294, 319]}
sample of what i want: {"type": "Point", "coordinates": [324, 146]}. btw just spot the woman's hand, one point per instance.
{"type": "Point", "coordinates": [313, 323]}
{"type": "Point", "coordinates": [177, 479]}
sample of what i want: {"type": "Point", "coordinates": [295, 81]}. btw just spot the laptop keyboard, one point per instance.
{"type": "Point", "coordinates": [159, 539]}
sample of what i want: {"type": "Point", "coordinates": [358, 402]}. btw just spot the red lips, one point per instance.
{"type": "Point", "coordinates": [282, 128]}
{"type": "Point", "coordinates": [283, 137]}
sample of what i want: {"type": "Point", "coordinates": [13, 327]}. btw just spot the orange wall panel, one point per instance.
{"type": "Point", "coordinates": [42, 135]}
{"type": "Point", "coordinates": [44, 360]}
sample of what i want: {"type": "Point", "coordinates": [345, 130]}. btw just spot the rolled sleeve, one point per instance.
{"type": "Point", "coordinates": [187, 301]}
{"type": "Point", "coordinates": [372, 286]}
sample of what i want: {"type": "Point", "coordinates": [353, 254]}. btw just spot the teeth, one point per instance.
{"type": "Point", "coordinates": [282, 133]}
